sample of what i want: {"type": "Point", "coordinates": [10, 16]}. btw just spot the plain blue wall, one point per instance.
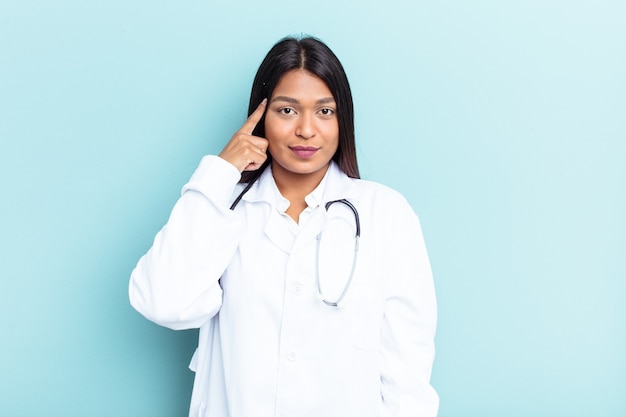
{"type": "Point", "coordinates": [502, 122]}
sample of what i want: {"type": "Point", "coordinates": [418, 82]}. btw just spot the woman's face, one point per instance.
{"type": "Point", "coordinates": [301, 125]}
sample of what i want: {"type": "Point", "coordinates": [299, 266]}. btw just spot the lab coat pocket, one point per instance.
{"type": "Point", "coordinates": [367, 318]}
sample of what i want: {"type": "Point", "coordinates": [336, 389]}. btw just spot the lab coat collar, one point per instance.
{"type": "Point", "coordinates": [264, 189]}
{"type": "Point", "coordinates": [338, 185]}
{"type": "Point", "coordinates": [335, 185]}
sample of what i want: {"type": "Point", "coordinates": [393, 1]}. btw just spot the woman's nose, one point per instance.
{"type": "Point", "coordinates": [305, 128]}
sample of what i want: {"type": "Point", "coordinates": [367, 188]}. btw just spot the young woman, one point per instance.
{"type": "Point", "coordinates": [312, 288]}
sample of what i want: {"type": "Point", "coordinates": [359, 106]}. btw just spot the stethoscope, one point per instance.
{"type": "Point", "coordinates": [357, 236]}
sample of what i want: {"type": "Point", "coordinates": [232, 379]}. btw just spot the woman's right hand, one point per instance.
{"type": "Point", "coordinates": [245, 151]}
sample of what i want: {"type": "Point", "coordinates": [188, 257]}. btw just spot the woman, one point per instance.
{"type": "Point", "coordinates": [311, 288]}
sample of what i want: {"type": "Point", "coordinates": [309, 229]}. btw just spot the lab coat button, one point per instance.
{"type": "Point", "coordinates": [297, 288]}
{"type": "Point", "coordinates": [291, 356]}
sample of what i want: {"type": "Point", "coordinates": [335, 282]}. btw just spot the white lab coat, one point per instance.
{"type": "Point", "coordinates": [268, 345]}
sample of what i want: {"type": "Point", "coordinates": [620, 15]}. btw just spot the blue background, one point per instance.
{"type": "Point", "coordinates": [504, 124]}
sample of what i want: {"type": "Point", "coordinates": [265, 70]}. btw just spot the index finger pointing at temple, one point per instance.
{"type": "Point", "coordinates": [254, 118]}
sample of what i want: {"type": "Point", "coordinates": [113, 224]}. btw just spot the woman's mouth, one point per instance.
{"type": "Point", "coordinates": [303, 151]}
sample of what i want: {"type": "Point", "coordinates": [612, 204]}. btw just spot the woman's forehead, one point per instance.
{"type": "Point", "coordinates": [300, 84]}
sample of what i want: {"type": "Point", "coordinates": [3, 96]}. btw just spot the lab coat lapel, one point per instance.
{"type": "Point", "coordinates": [264, 191]}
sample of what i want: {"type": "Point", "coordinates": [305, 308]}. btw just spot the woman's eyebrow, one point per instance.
{"type": "Point", "coordinates": [326, 100]}
{"type": "Point", "coordinates": [292, 100]}
{"type": "Point", "coordinates": [285, 98]}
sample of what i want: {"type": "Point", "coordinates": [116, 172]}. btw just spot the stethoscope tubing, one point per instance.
{"type": "Point", "coordinates": [357, 236]}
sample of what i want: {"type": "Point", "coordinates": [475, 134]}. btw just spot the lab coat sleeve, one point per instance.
{"type": "Point", "coordinates": [176, 283]}
{"type": "Point", "coordinates": [408, 330]}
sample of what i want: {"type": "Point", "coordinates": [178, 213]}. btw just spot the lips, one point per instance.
{"type": "Point", "coordinates": [303, 151]}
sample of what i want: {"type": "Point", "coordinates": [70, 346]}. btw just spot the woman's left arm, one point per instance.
{"type": "Point", "coordinates": [408, 328]}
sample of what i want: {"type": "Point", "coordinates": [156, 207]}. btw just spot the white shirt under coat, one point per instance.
{"type": "Point", "coordinates": [268, 346]}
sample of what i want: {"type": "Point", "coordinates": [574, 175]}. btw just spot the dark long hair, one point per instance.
{"type": "Point", "coordinates": [314, 56]}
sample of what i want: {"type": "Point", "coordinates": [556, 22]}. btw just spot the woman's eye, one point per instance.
{"type": "Point", "coordinates": [285, 111]}
{"type": "Point", "coordinates": [327, 112]}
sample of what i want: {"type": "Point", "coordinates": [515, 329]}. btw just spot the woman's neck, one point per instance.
{"type": "Point", "coordinates": [295, 187]}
